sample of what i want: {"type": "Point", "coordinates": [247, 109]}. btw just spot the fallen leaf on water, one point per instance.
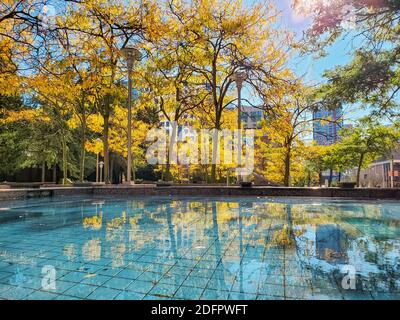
{"type": "Point", "coordinates": [90, 275]}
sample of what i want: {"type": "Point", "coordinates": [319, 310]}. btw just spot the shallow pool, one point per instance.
{"type": "Point", "coordinates": [198, 248]}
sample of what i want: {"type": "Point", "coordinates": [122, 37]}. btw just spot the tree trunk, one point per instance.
{"type": "Point", "coordinates": [55, 173]}
{"type": "Point", "coordinates": [359, 169]}
{"type": "Point", "coordinates": [111, 169]}
{"type": "Point", "coordinates": [330, 177]}
{"type": "Point", "coordinates": [214, 156]}
{"type": "Point", "coordinates": [213, 173]}
{"type": "Point", "coordinates": [286, 178]}
{"type": "Point", "coordinates": [106, 150]}
{"type": "Point", "coordinates": [44, 171]}
{"type": "Point", "coordinates": [171, 152]}
{"type": "Point", "coordinates": [64, 160]}
{"type": "Point", "coordinates": [83, 153]}
{"type": "Point", "coordinates": [167, 173]}
{"type": "Point", "coordinates": [97, 168]}
{"type": "Point", "coordinates": [133, 169]}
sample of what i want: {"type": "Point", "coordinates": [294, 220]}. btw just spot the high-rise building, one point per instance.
{"type": "Point", "coordinates": [251, 117]}
{"type": "Point", "coordinates": [326, 132]}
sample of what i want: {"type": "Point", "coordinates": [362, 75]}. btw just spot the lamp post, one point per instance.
{"type": "Point", "coordinates": [97, 168]}
{"type": "Point", "coordinates": [131, 55]}
{"type": "Point", "coordinates": [101, 165]}
{"type": "Point", "coordinates": [98, 140]}
{"type": "Point", "coordinates": [239, 77]}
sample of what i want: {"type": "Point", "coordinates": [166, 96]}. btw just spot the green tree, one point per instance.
{"type": "Point", "coordinates": [364, 143]}
{"type": "Point", "coordinates": [372, 77]}
{"type": "Point", "coordinates": [40, 147]}
{"type": "Point", "coordinates": [11, 135]}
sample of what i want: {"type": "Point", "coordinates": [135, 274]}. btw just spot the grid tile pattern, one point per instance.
{"type": "Point", "coordinates": [193, 248]}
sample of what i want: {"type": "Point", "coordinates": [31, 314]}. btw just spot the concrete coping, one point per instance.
{"type": "Point", "coordinates": [201, 190]}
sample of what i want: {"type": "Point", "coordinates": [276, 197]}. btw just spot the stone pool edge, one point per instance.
{"type": "Point", "coordinates": [152, 190]}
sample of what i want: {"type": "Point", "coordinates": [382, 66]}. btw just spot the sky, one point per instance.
{"type": "Point", "coordinates": [312, 69]}
{"type": "Point", "coordinates": [340, 53]}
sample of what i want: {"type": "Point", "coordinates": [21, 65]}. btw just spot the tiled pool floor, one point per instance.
{"type": "Point", "coordinates": [197, 248]}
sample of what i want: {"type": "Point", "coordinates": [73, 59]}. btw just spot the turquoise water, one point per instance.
{"type": "Point", "coordinates": [198, 248]}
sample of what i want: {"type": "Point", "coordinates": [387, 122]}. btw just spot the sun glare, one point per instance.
{"type": "Point", "coordinates": [304, 8]}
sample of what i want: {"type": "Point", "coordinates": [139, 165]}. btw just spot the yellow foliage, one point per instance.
{"type": "Point", "coordinates": [94, 222]}
{"type": "Point", "coordinates": [24, 115]}
{"type": "Point", "coordinates": [117, 223]}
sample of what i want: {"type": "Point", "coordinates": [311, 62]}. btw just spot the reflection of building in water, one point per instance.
{"type": "Point", "coordinates": [235, 235]}
{"type": "Point", "coordinates": [137, 239]}
{"type": "Point", "coordinates": [184, 235]}
{"type": "Point", "coordinates": [329, 241]}
{"type": "Point", "coordinates": [115, 233]}
{"type": "Point", "coordinates": [118, 254]}
{"type": "Point", "coordinates": [91, 250]}
{"type": "Point", "coordinates": [165, 245]}
{"type": "Point", "coordinates": [325, 249]}
{"type": "Point", "coordinates": [69, 251]}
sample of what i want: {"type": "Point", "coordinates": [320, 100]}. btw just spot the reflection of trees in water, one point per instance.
{"type": "Point", "coordinates": [171, 234]}
{"type": "Point", "coordinates": [351, 239]}
{"type": "Point", "coordinates": [377, 263]}
{"type": "Point", "coordinates": [217, 246]}
{"type": "Point", "coordinates": [116, 237]}
{"type": "Point", "coordinates": [319, 237]}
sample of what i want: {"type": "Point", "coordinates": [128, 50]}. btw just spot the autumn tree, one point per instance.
{"type": "Point", "coordinates": [287, 122]}
{"type": "Point", "coordinates": [172, 86]}
{"type": "Point", "coordinates": [100, 29]}
{"type": "Point", "coordinates": [224, 37]}
{"type": "Point", "coordinates": [315, 157]}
